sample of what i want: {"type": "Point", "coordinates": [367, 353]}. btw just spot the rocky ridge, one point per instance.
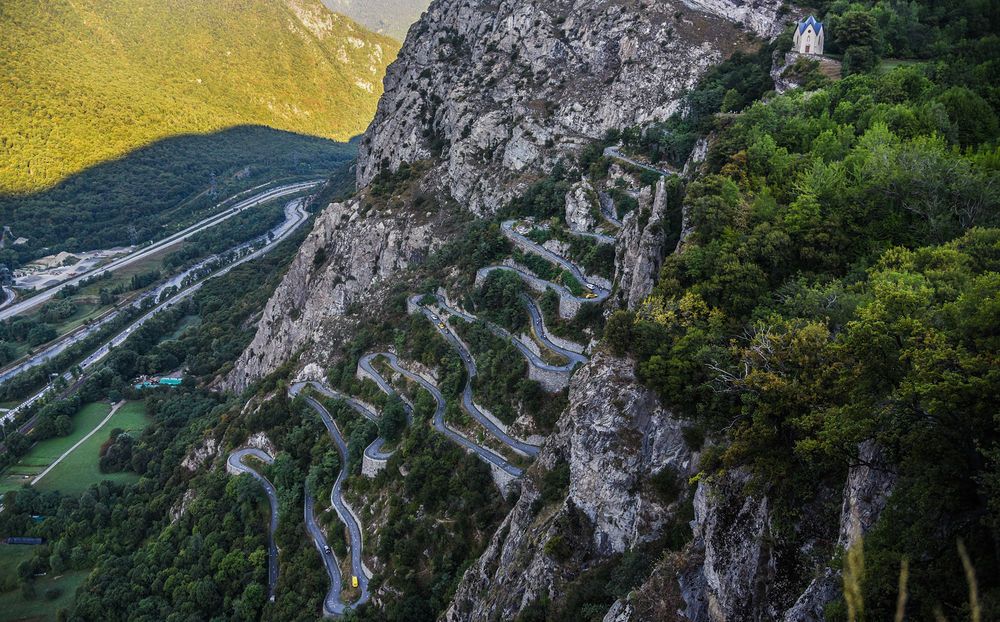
{"type": "Point", "coordinates": [499, 92]}
{"type": "Point", "coordinates": [640, 247]}
{"type": "Point", "coordinates": [351, 253]}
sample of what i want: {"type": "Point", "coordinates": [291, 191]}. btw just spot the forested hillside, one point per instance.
{"type": "Point", "coordinates": [160, 187]}
{"type": "Point", "coordinates": [839, 287]}
{"type": "Point", "coordinates": [90, 80]}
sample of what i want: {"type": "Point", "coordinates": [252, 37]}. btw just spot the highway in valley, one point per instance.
{"type": "Point", "coordinates": [295, 216]}
{"type": "Point", "coordinates": [265, 196]}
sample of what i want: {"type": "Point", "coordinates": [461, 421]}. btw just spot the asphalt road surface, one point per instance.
{"type": "Point", "coordinates": [601, 238]}
{"type": "Point", "coordinates": [9, 296]}
{"type": "Point", "coordinates": [332, 604]}
{"type": "Point", "coordinates": [600, 294]}
{"type": "Point", "coordinates": [468, 404]}
{"type": "Point", "coordinates": [374, 450]}
{"type": "Point", "coordinates": [121, 262]}
{"type": "Point", "coordinates": [572, 357]}
{"type": "Point", "coordinates": [236, 463]}
{"type": "Point", "coordinates": [508, 230]}
{"type": "Point", "coordinates": [613, 152]}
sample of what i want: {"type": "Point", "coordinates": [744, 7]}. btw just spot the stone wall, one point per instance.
{"type": "Point", "coordinates": [370, 467]}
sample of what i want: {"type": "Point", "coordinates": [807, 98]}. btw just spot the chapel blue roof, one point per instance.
{"type": "Point", "coordinates": [810, 21]}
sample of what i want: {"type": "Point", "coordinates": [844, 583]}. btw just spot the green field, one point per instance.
{"type": "Point", "coordinates": [43, 453]}
{"type": "Point", "coordinates": [80, 469]}
{"type": "Point", "coordinates": [39, 609]}
{"type": "Point", "coordinates": [15, 606]}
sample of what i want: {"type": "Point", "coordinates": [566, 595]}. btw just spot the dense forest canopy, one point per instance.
{"type": "Point", "coordinates": [840, 286]}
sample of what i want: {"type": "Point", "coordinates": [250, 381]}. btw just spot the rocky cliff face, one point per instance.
{"type": "Point", "coordinates": [614, 436]}
{"type": "Point", "coordinates": [583, 208]}
{"type": "Point", "coordinates": [351, 252]}
{"type": "Point", "coordinates": [492, 94]}
{"type": "Point", "coordinates": [499, 91]}
{"type": "Point", "coordinates": [763, 17]}
{"type": "Point", "coordinates": [741, 568]}
{"type": "Point", "coordinates": [640, 247]}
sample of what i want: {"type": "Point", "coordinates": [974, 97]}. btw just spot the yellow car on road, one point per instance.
{"type": "Point", "coordinates": [354, 582]}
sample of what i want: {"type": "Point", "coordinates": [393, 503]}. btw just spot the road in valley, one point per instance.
{"type": "Point", "coordinates": [295, 216]}
{"type": "Point", "coordinates": [9, 296]}
{"type": "Point", "coordinates": [138, 255]}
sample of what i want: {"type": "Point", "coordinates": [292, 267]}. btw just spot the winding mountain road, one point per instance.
{"type": "Point", "coordinates": [595, 293]}
{"type": "Point", "coordinates": [333, 603]}
{"type": "Point", "coordinates": [600, 238]}
{"type": "Point", "coordinates": [236, 464]}
{"type": "Point", "coordinates": [486, 455]}
{"type": "Point", "coordinates": [9, 296]}
{"type": "Point", "coordinates": [615, 153]}
{"type": "Point", "coordinates": [508, 230]}
{"type": "Point", "coordinates": [572, 357]}
{"type": "Point", "coordinates": [468, 403]}
{"type": "Point", "coordinates": [374, 450]}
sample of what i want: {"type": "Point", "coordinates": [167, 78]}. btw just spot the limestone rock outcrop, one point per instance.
{"type": "Point", "coordinates": [497, 93]}
{"type": "Point", "coordinates": [582, 207]}
{"type": "Point", "coordinates": [640, 248]}
{"type": "Point", "coordinates": [349, 254]}
{"type": "Point", "coordinates": [738, 568]}
{"type": "Point", "coordinates": [763, 17]}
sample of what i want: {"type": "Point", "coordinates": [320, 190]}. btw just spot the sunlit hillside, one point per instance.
{"type": "Point", "coordinates": [85, 81]}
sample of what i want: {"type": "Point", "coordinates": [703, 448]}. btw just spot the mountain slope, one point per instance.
{"type": "Point", "coordinates": [391, 17]}
{"type": "Point", "coordinates": [89, 80]}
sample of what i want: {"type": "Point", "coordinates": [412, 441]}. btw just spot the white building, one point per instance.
{"type": "Point", "coordinates": [809, 35]}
